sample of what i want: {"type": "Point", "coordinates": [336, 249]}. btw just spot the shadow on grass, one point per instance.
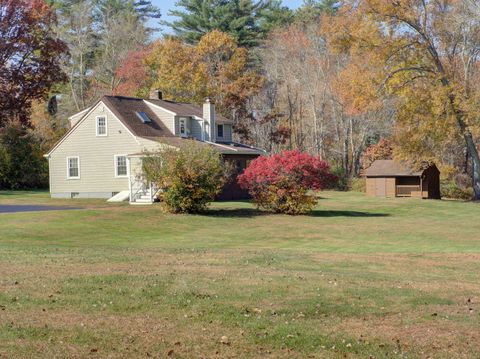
{"type": "Point", "coordinates": [328, 213]}
{"type": "Point", "coordinates": [234, 212]}
{"type": "Point", "coordinates": [252, 212]}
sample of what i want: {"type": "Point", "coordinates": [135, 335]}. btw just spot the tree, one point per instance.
{"type": "Point", "coordinates": [281, 182]}
{"type": "Point", "coordinates": [246, 20]}
{"type": "Point", "coordinates": [134, 75]}
{"type": "Point", "coordinates": [304, 106]}
{"type": "Point", "coordinates": [100, 34]}
{"type": "Point", "coordinates": [30, 57]}
{"type": "Point", "coordinates": [312, 10]}
{"type": "Point", "coordinates": [22, 165]}
{"type": "Point", "coordinates": [428, 50]}
{"type": "Point", "coordinates": [382, 150]}
{"type": "Point", "coordinates": [216, 68]}
{"type": "Point", "coordinates": [189, 177]}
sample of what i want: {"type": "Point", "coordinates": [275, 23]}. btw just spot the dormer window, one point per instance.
{"type": "Point", "coordinates": [101, 125]}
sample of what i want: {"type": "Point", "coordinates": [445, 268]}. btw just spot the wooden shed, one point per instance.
{"type": "Point", "coordinates": [389, 178]}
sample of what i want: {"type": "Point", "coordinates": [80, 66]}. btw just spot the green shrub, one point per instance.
{"type": "Point", "coordinates": [358, 184]}
{"type": "Point", "coordinates": [453, 190]}
{"type": "Point", "coordinates": [189, 177]}
{"type": "Point", "coordinates": [22, 165]}
{"type": "Point", "coordinates": [341, 184]}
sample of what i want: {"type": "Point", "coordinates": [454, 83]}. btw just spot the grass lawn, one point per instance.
{"type": "Point", "coordinates": [359, 278]}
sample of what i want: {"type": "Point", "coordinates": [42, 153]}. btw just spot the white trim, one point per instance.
{"type": "Point", "coordinates": [68, 168]}
{"type": "Point", "coordinates": [106, 126]}
{"type": "Point", "coordinates": [100, 102]}
{"type": "Point", "coordinates": [163, 108]}
{"type": "Point", "coordinates": [79, 113]}
{"type": "Point", "coordinates": [129, 172]}
{"type": "Point", "coordinates": [116, 167]}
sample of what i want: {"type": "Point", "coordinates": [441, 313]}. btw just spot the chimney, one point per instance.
{"type": "Point", "coordinates": [156, 95]}
{"type": "Point", "coordinates": [209, 117]}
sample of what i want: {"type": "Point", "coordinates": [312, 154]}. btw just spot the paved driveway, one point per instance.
{"type": "Point", "coordinates": [15, 208]}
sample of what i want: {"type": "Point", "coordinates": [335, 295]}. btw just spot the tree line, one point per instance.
{"type": "Point", "coordinates": [332, 78]}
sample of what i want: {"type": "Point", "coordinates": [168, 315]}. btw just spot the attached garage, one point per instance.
{"type": "Point", "coordinates": [389, 178]}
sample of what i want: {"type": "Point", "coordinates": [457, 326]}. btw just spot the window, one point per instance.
{"type": "Point", "coordinates": [220, 131]}
{"type": "Point", "coordinates": [73, 167]}
{"type": "Point", "coordinates": [101, 126]}
{"type": "Point", "coordinates": [143, 117]}
{"type": "Point", "coordinates": [121, 166]}
{"type": "Point", "coordinates": [183, 127]}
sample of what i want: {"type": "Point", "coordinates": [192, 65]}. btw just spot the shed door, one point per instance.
{"type": "Point", "coordinates": [380, 187]}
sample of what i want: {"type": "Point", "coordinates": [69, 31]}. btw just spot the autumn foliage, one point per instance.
{"type": "Point", "coordinates": [30, 56]}
{"type": "Point", "coordinates": [382, 150]}
{"type": "Point", "coordinates": [282, 183]}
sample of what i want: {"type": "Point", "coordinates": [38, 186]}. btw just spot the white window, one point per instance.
{"type": "Point", "coordinates": [183, 127]}
{"type": "Point", "coordinates": [121, 166]}
{"type": "Point", "coordinates": [101, 126]}
{"type": "Point", "coordinates": [73, 167]}
{"type": "Point", "coordinates": [220, 131]}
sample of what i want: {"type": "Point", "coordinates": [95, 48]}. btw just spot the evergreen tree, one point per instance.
{"type": "Point", "coordinates": [311, 10]}
{"type": "Point", "coordinates": [246, 20]}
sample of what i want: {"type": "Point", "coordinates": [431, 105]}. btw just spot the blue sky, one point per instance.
{"type": "Point", "coordinates": [166, 5]}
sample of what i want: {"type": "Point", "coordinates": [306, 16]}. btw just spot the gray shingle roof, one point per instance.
{"type": "Point", "coordinates": [186, 109]}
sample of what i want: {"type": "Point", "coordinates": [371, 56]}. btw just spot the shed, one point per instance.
{"type": "Point", "coordinates": [389, 178]}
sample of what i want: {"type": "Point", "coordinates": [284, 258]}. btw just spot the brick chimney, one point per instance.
{"type": "Point", "coordinates": [209, 117]}
{"type": "Point", "coordinates": [156, 95]}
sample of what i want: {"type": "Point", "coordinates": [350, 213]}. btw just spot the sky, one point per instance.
{"type": "Point", "coordinates": [166, 5]}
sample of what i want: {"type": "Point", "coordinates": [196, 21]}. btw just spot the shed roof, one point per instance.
{"type": "Point", "coordinates": [391, 168]}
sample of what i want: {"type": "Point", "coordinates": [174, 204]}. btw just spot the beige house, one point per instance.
{"type": "Point", "coordinates": [101, 155]}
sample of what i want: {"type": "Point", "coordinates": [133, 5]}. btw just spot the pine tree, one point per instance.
{"type": "Point", "coordinates": [246, 20]}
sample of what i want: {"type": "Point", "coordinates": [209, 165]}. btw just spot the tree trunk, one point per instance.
{"type": "Point", "coordinates": [472, 149]}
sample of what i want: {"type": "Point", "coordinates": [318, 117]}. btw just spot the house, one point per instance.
{"type": "Point", "coordinates": [389, 178]}
{"type": "Point", "coordinates": [101, 155]}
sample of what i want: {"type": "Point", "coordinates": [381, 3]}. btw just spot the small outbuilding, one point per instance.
{"type": "Point", "coordinates": [389, 178]}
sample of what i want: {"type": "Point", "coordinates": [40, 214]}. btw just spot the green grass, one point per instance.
{"type": "Point", "coordinates": [359, 277]}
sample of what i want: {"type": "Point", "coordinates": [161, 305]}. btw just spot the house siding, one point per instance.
{"type": "Point", "coordinates": [196, 129]}
{"type": "Point", "coordinates": [227, 133]}
{"type": "Point", "coordinates": [166, 117]}
{"type": "Point", "coordinates": [97, 168]}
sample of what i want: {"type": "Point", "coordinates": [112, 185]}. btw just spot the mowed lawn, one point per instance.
{"type": "Point", "coordinates": [358, 278]}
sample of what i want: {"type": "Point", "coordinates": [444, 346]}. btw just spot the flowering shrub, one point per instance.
{"type": "Point", "coordinates": [190, 177]}
{"type": "Point", "coordinates": [282, 183]}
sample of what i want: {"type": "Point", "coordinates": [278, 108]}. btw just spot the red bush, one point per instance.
{"type": "Point", "coordinates": [281, 183]}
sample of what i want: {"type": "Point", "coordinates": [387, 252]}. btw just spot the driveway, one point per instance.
{"type": "Point", "coordinates": [15, 208]}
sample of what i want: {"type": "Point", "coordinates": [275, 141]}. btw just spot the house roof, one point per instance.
{"type": "Point", "coordinates": [126, 109]}
{"type": "Point", "coordinates": [185, 109]}
{"type": "Point", "coordinates": [222, 147]}
{"type": "Point", "coordinates": [391, 168]}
